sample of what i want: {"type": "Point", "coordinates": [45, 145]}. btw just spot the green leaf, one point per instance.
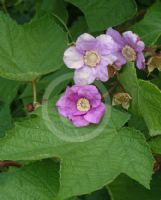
{"type": "Point", "coordinates": [98, 195]}
{"type": "Point", "coordinates": [100, 14]}
{"type": "Point", "coordinates": [157, 80]}
{"type": "Point", "coordinates": [53, 6]}
{"type": "Point", "coordinates": [5, 119]}
{"type": "Point", "coordinates": [31, 50]}
{"type": "Point", "coordinates": [146, 99]}
{"type": "Point", "coordinates": [118, 189]}
{"type": "Point", "coordinates": [145, 2]}
{"type": "Point", "coordinates": [37, 127]}
{"type": "Point", "coordinates": [86, 165]}
{"type": "Point", "coordinates": [149, 28]}
{"type": "Point", "coordinates": [103, 164]}
{"type": "Point", "coordinates": [155, 144]}
{"type": "Point", "coordinates": [39, 180]}
{"type": "Point", "coordinates": [159, 41]}
{"type": "Point", "coordinates": [78, 27]}
{"type": "Point", "coordinates": [73, 198]}
{"type": "Point", "coordinates": [8, 91]}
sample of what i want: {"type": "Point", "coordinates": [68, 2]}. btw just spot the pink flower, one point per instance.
{"type": "Point", "coordinates": [130, 48]}
{"type": "Point", "coordinates": [90, 57]}
{"type": "Point", "coordinates": [81, 105]}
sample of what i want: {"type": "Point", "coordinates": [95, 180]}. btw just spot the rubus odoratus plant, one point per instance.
{"type": "Point", "coordinates": [80, 99]}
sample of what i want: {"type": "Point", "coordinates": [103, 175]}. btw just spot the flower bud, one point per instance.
{"type": "Point", "coordinates": [30, 107]}
{"type": "Point", "coordinates": [154, 63]}
{"type": "Point", "coordinates": [123, 99]}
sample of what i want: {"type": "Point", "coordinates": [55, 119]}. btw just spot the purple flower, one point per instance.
{"type": "Point", "coordinates": [90, 57]}
{"type": "Point", "coordinates": [130, 48]}
{"type": "Point", "coordinates": [82, 105]}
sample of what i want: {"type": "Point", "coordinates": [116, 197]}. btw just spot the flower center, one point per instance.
{"type": "Point", "coordinates": [129, 53]}
{"type": "Point", "coordinates": [91, 58]}
{"type": "Point", "coordinates": [83, 105]}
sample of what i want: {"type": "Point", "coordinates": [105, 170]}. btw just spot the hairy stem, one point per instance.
{"type": "Point", "coordinates": [65, 26]}
{"type": "Point", "coordinates": [4, 8]}
{"type": "Point", "coordinates": [34, 89]}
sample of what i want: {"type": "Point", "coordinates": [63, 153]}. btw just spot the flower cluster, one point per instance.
{"type": "Point", "coordinates": [90, 57]}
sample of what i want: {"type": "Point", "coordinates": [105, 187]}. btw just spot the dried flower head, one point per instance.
{"type": "Point", "coordinates": [154, 63]}
{"type": "Point", "coordinates": [122, 99]}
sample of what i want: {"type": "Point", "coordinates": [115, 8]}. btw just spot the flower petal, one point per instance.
{"type": "Point", "coordinates": [116, 36]}
{"type": "Point", "coordinates": [61, 101]}
{"type": "Point", "coordinates": [101, 69]}
{"type": "Point", "coordinates": [120, 59]}
{"type": "Point", "coordinates": [109, 59]}
{"type": "Point", "coordinates": [86, 42]}
{"type": "Point", "coordinates": [73, 59]}
{"type": "Point", "coordinates": [79, 121]}
{"type": "Point", "coordinates": [84, 76]}
{"type": "Point", "coordinates": [140, 46]}
{"type": "Point", "coordinates": [71, 94]}
{"type": "Point", "coordinates": [106, 44]}
{"type": "Point", "coordinates": [94, 116]}
{"type": "Point", "coordinates": [91, 93]}
{"type": "Point", "coordinates": [102, 73]}
{"type": "Point", "coordinates": [140, 63]}
{"type": "Point", "coordinates": [66, 105]}
{"type": "Point", "coordinates": [61, 104]}
{"type": "Point", "coordinates": [131, 38]}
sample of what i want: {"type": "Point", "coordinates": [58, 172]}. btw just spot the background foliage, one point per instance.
{"type": "Point", "coordinates": [33, 37]}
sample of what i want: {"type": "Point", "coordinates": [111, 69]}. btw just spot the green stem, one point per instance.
{"type": "Point", "coordinates": [34, 89]}
{"type": "Point", "coordinates": [65, 26]}
{"type": "Point", "coordinates": [4, 8]}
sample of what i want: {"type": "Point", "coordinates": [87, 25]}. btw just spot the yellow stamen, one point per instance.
{"type": "Point", "coordinates": [129, 53]}
{"type": "Point", "coordinates": [83, 105]}
{"type": "Point", "coordinates": [91, 58]}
